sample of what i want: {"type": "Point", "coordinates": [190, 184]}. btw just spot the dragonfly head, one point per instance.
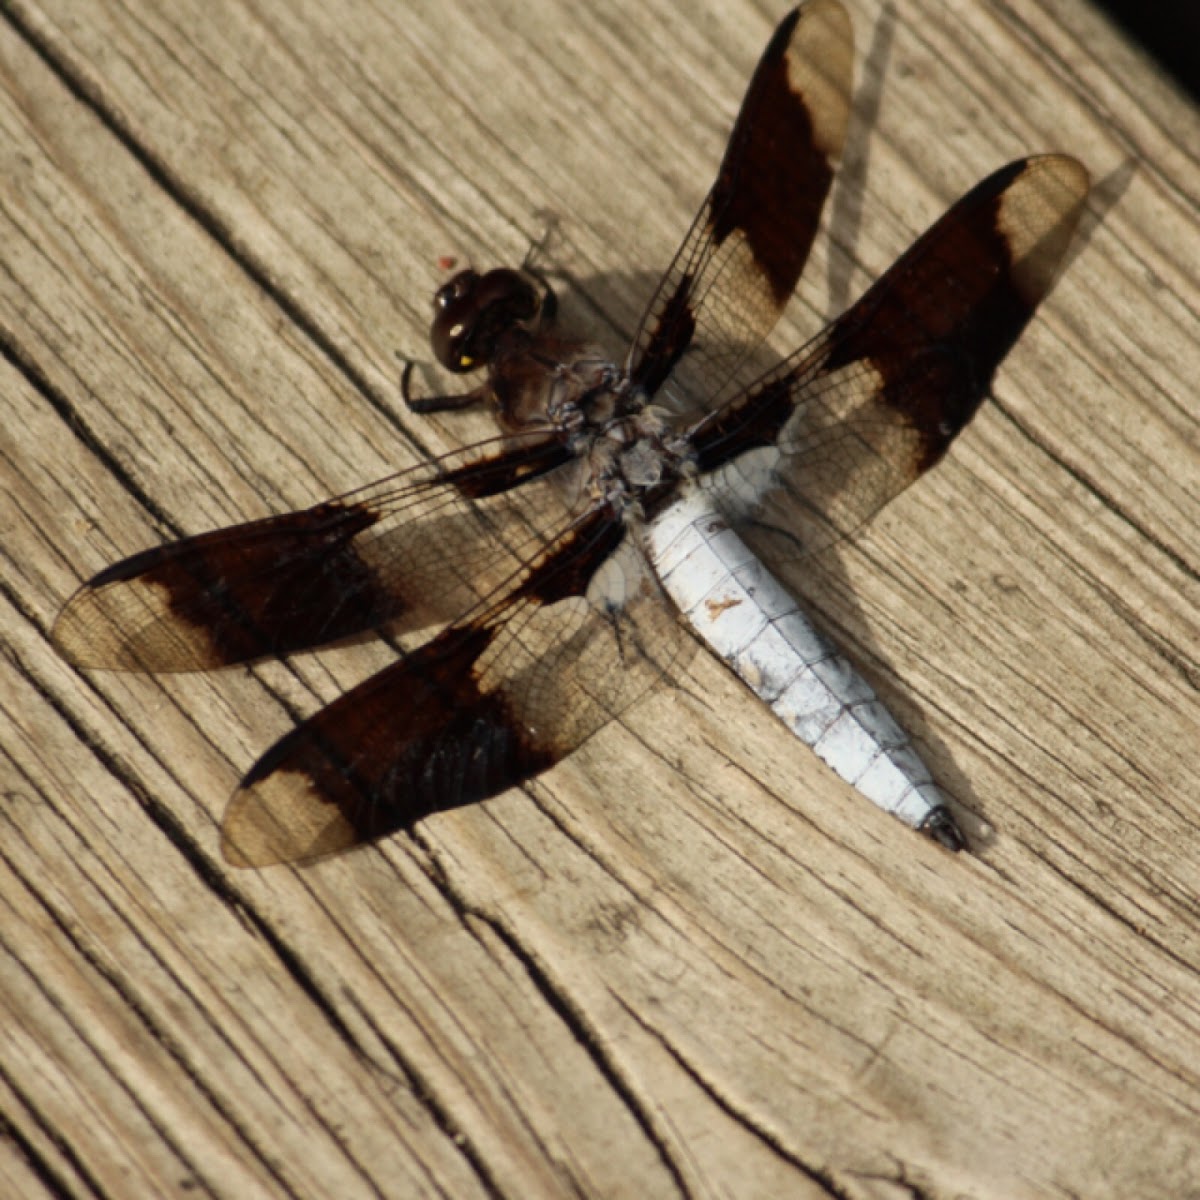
{"type": "Point", "coordinates": [473, 312]}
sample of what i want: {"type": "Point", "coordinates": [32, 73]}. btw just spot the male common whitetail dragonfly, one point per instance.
{"type": "Point", "coordinates": [544, 554]}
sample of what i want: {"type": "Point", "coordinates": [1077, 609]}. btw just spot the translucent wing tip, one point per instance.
{"type": "Point", "coordinates": [1038, 216]}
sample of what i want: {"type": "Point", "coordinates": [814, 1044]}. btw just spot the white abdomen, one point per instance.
{"type": "Point", "coordinates": [749, 619]}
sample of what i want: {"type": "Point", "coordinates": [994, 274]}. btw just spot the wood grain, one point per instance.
{"type": "Point", "coordinates": [689, 960]}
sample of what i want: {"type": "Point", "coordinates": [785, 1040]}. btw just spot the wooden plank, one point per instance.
{"type": "Point", "coordinates": [689, 960]}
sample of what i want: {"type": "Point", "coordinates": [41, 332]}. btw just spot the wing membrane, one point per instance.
{"type": "Point", "coordinates": [741, 259]}
{"type": "Point", "coordinates": [416, 549]}
{"type": "Point", "coordinates": [484, 706]}
{"type": "Point", "coordinates": [851, 419]}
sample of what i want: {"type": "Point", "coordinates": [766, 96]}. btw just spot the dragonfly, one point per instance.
{"type": "Point", "coordinates": [561, 570]}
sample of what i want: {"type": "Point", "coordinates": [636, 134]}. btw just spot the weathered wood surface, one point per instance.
{"type": "Point", "coordinates": [689, 960]}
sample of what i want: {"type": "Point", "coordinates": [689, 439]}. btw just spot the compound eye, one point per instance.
{"type": "Point", "coordinates": [451, 336]}
{"type": "Point", "coordinates": [466, 361]}
{"type": "Point", "coordinates": [455, 290]}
